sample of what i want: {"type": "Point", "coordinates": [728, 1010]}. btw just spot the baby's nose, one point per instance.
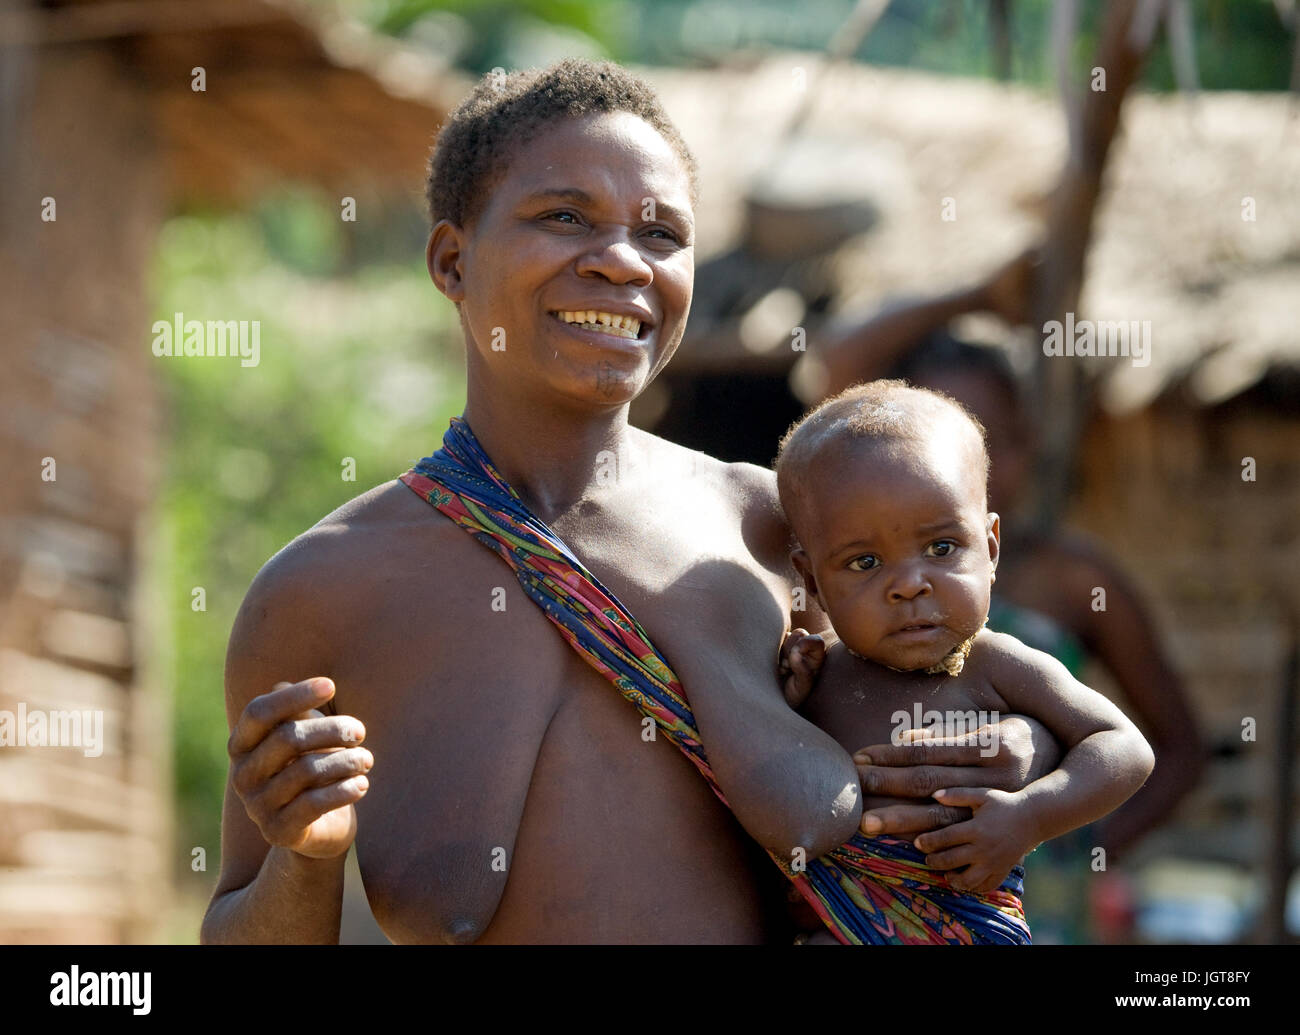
{"type": "Point", "coordinates": [909, 585]}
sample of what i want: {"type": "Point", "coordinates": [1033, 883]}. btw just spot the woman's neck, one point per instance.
{"type": "Point", "coordinates": [549, 453]}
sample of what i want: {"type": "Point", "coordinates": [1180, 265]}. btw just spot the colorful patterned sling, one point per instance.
{"type": "Point", "coordinates": [871, 890]}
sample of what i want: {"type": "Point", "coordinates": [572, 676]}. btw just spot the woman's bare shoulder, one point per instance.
{"type": "Point", "coordinates": [748, 488]}
{"type": "Point", "coordinates": [323, 572]}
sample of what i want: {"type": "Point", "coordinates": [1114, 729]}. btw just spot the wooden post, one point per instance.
{"type": "Point", "coordinates": [1278, 864]}
{"type": "Point", "coordinates": [1125, 41]}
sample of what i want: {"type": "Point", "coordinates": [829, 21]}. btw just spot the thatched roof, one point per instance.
{"type": "Point", "coordinates": [290, 93]}
{"type": "Point", "coordinates": [1223, 294]}
{"type": "Point", "coordinates": [293, 95]}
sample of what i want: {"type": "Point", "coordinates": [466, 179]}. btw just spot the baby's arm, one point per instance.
{"type": "Point", "coordinates": [1107, 760]}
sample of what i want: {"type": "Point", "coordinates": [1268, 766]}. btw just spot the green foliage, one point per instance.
{"type": "Point", "coordinates": [498, 26]}
{"type": "Point", "coordinates": [301, 233]}
{"type": "Point", "coordinates": [588, 16]}
{"type": "Point", "coordinates": [1240, 44]}
{"type": "Point", "coordinates": [366, 365]}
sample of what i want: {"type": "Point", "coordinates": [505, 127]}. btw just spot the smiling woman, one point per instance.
{"type": "Point", "coordinates": [517, 797]}
{"type": "Point", "coordinates": [596, 225]}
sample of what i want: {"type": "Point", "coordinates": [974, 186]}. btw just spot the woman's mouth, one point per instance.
{"type": "Point", "coordinates": [601, 322]}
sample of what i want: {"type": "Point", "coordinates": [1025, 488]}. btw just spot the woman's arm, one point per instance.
{"type": "Point", "coordinates": [295, 769]}
{"type": "Point", "coordinates": [790, 785]}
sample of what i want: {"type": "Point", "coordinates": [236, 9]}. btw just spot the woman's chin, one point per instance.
{"type": "Point", "coordinates": [605, 385]}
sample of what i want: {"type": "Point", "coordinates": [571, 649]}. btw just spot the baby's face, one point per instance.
{"type": "Point", "coordinates": [899, 548]}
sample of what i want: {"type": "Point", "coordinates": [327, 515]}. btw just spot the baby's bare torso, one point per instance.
{"type": "Point", "coordinates": [859, 702]}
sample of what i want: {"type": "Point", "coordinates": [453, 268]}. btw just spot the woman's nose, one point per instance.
{"type": "Point", "coordinates": [617, 259]}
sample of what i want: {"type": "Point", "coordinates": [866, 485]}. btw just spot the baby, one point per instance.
{"type": "Point", "coordinates": [884, 486]}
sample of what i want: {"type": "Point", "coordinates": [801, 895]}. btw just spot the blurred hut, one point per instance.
{"type": "Point", "coordinates": [1197, 231]}
{"type": "Point", "coordinates": [113, 115]}
{"type": "Point", "coordinates": [1189, 468]}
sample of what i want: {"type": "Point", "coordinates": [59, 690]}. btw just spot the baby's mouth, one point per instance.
{"type": "Point", "coordinates": [918, 631]}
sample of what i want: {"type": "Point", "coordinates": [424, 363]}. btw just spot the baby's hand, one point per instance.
{"type": "Point", "coordinates": [988, 844]}
{"type": "Point", "coordinates": [802, 654]}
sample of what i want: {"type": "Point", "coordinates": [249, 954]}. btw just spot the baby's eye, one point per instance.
{"type": "Point", "coordinates": [940, 549]}
{"type": "Point", "coordinates": [864, 563]}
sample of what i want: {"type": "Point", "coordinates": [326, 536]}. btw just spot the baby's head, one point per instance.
{"type": "Point", "coordinates": [884, 486]}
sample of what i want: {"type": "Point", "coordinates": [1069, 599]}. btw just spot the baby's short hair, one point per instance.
{"type": "Point", "coordinates": [877, 411]}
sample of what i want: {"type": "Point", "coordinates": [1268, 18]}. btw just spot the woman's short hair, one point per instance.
{"type": "Point", "coordinates": [505, 110]}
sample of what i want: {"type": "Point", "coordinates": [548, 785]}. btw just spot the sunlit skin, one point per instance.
{"type": "Point", "coordinates": [1056, 575]}
{"type": "Point", "coordinates": [569, 229]}
{"type": "Point", "coordinates": [898, 547]}
{"type": "Point", "coordinates": [489, 737]}
{"type": "Point", "coordinates": [1009, 435]}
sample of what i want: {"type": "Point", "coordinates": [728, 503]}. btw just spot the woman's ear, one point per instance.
{"type": "Point", "coordinates": [804, 567]}
{"type": "Point", "coordinates": [443, 256]}
{"type": "Point", "coordinates": [995, 535]}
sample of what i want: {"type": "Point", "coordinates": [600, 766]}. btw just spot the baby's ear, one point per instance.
{"type": "Point", "coordinates": [994, 537]}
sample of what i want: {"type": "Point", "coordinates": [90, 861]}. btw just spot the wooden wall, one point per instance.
{"type": "Point", "coordinates": [83, 840]}
{"type": "Point", "coordinates": [1218, 559]}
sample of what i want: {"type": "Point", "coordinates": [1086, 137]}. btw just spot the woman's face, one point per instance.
{"type": "Point", "coordinates": [591, 215]}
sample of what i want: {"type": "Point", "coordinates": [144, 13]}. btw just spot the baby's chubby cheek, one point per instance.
{"type": "Point", "coordinates": [856, 629]}
{"type": "Point", "coordinates": [969, 608]}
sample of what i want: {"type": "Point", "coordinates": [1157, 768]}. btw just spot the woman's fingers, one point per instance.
{"type": "Point", "coordinates": [292, 739]}
{"type": "Point", "coordinates": [292, 825]}
{"type": "Point", "coordinates": [297, 771]}
{"type": "Point", "coordinates": [313, 770]}
{"type": "Point", "coordinates": [971, 749]}
{"type": "Point", "coordinates": [915, 781]}
{"type": "Point", "coordinates": [975, 878]}
{"type": "Point", "coordinates": [266, 711]}
{"type": "Point", "coordinates": [910, 819]}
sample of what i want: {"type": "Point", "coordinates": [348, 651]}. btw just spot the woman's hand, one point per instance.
{"type": "Point", "coordinates": [1023, 751]}
{"type": "Point", "coordinates": [899, 779]}
{"type": "Point", "coordinates": [299, 772]}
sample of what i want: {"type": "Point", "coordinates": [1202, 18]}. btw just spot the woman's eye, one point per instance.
{"type": "Point", "coordinates": [941, 549]}
{"type": "Point", "coordinates": [561, 215]}
{"type": "Point", "coordinates": [864, 563]}
{"type": "Point", "coordinates": [668, 234]}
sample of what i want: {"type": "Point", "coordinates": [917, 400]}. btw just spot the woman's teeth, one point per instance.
{"type": "Point", "coordinates": [609, 323]}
